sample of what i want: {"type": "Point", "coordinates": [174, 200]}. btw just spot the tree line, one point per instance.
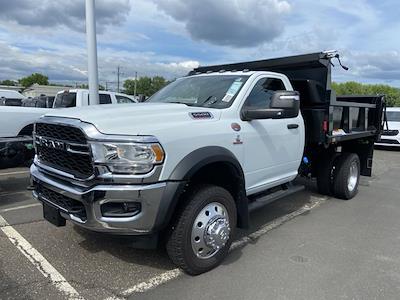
{"type": "Point", "coordinates": [28, 80]}
{"type": "Point", "coordinates": [147, 86]}
{"type": "Point", "coordinates": [354, 88]}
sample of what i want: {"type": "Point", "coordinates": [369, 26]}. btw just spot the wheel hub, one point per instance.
{"type": "Point", "coordinates": [353, 177]}
{"type": "Point", "coordinates": [217, 233]}
{"type": "Point", "coordinates": [210, 231]}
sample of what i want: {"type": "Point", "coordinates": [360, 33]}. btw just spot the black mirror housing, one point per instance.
{"type": "Point", "coordinates": [284, 104]}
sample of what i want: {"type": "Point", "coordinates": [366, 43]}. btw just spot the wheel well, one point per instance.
{"type": "Point", "coordinates": [27, 130]}
{"type": "Point", "coordinates": [227, 176]}
{"type": "Point", "coordinates": [221, 174]}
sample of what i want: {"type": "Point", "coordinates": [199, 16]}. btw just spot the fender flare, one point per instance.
{"type": "Point", "coordinates": [187, 167]}
{"type": "Point", "coordinates": [201, 157]}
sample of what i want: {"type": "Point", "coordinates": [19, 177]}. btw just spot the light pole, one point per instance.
{"type": "Point", "coordinates": [93, 75]}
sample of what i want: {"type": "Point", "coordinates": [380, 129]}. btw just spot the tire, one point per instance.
{"type": "Point", "coordinates": [325, 174]}
{"type": "Point", "coordinates": [181, 243]}
{"type": "Point", "coordinates": [346, 176]}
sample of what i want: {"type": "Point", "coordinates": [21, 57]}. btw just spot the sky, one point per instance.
{"type": "Point", "coordinates": [171, 37]}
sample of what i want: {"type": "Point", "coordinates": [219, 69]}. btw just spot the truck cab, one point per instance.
{"type": "Point", "coordinates": [269, 150]}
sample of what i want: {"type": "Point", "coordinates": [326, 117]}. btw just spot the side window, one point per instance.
{"type": "Point", "coordinates": [105, 99]}
{"type": "Point", "coordinates": [260, 96]}
{"type": "Point", "coordinates": [123, 99]}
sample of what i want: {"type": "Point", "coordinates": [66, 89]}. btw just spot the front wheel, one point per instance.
{"type": "Point", "coordinates": [203, 231]}
{"type": "Point", "coordinates": [346, 176]}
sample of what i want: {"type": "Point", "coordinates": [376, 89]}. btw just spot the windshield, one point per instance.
{"type": "Point", "coordinates": [393, 116]}
{"type": "Point", "coordinates": [65, 100]}
{"type": "Point", "coordinates": [216, 91]}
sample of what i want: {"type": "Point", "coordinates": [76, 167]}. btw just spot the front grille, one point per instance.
{"type": "Point", "coordinates": [80, 165]}
{"type": "Point", "coordinates": [68, 204]}
{"type": "Point", "coordinates": [61, 132]}
{"type": "Point", "coordinates": [386, 141]}
{"type": "Point", "coordinates": [62, 158]}
{"type": "Point", "coordinates": [390, 132]}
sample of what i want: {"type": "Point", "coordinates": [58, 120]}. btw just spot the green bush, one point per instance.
{"type": "Point", "coordinates": [354, 88]}
{"type": "Point", "coordinates": [145, 85]}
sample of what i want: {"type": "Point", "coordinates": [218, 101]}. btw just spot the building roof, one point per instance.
{"type": "Point", "coordinates": [36, 86]}
{"type": "Point", "coordinates": [17, 88]}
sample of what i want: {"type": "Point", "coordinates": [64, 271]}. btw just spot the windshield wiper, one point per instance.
{"type": "Point", "coordinates": [210, 100]}
{"type": "Point", "coordinates": [177, 102]}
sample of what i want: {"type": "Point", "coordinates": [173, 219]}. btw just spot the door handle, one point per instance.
{"type": "Point", "coordinates": [293, 126]}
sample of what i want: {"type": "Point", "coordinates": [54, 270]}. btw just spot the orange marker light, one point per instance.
{"type": "Point", "coordinates": [159, 153]}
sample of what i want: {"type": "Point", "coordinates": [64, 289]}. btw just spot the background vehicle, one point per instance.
{"type": "Point", "coordinates": [391, 136]}
{"type": "Point", "coordinates": [10, 98]}
{"type": "Point", "coordinates": [80, 98]}
{"type": "Point", "coordinates": [42, 101]}
{"type": "Point", "coordinates": [16, 123]}
{"type": "Point", "coordinates": [192, 162]}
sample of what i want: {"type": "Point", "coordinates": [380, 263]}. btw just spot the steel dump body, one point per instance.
{"type": "Point", "coordinates": [328, 119]}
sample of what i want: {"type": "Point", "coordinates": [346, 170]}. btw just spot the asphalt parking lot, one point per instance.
{"type": "Point", "coordinates": [302, 247]}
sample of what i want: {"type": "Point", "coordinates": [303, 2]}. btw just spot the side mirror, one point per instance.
{"type": "Point", "coordinates": [284, 104]}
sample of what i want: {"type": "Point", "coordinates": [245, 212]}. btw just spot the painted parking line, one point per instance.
{"type": "Point", "coordinates": [19, 207]}
{"type": "Point", "coordinates": [165, 277]}
{"type": "Point", "coordinates": [150, 284]}
{"type": "Point", "coordinates": [12, 193]}
{"type": "Point", "coordinates": [14, 173]}
{"type": "Point", "coordinates": [39, 261]}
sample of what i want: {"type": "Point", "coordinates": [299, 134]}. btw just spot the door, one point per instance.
{"type": "Point", "coordinates": [273, 148]}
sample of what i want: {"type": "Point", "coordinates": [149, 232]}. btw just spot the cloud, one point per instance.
{"type": "Point", "coordinates": [68, 64]}
{"type": "Point", "coordinates": [229, 22]}
{"type": "Point", "coordinates": [71, 13]}
{"type": "Point", "coordinates": [171, 37]}
{"type": "Point", "coordinates": [374, 65]}
{"type": "Point", "coordinates": [15, 63]}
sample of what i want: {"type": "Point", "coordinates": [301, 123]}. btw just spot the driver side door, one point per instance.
{"type": "Point", "coordinates": [272, 149]}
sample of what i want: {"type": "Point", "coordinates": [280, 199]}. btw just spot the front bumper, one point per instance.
{"type": "Point", "coordinates": [387, 140]}
{"type": "Point", "coordinates": [155, 200]}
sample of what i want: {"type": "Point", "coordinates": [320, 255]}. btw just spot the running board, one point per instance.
{"type": "Point", "coordinates": [287, 190]}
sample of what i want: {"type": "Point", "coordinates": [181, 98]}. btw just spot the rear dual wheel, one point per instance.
{"type": "Point", "coordinates": [346, 176]}
{"type": "Point", "coordinates": [339, 175]}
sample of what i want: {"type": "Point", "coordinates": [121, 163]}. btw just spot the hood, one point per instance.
{"type": "Point", "coordinates": [393, 125]}
{"type": "Point", "coordinates": [140, 118]}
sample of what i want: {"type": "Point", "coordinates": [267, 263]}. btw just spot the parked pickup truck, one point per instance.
{"type": "Point", "coordinates": [16, 123]}
{"type": "Point", "coordinates": [189, 165]}
{"type": "Point", "coordinates": [10, 98]}
{"type": "Point", "coordinates": [80, 98]}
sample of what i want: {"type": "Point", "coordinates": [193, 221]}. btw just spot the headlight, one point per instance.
{"type": "Point", "coordinates": [128, 158]}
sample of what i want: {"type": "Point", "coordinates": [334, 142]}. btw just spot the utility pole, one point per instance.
{"type": "Point", "coordinates": [119, 73]}
{"type": "Point", "coordinates": [118, 79]}
{"type": "Point", "coordinates": [93, 75]}
{"type": "Point", "coordinates": [134, 94]}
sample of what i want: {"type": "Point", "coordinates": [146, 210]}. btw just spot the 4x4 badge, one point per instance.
{"type": "Point", "coordinates": [238, 140]}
